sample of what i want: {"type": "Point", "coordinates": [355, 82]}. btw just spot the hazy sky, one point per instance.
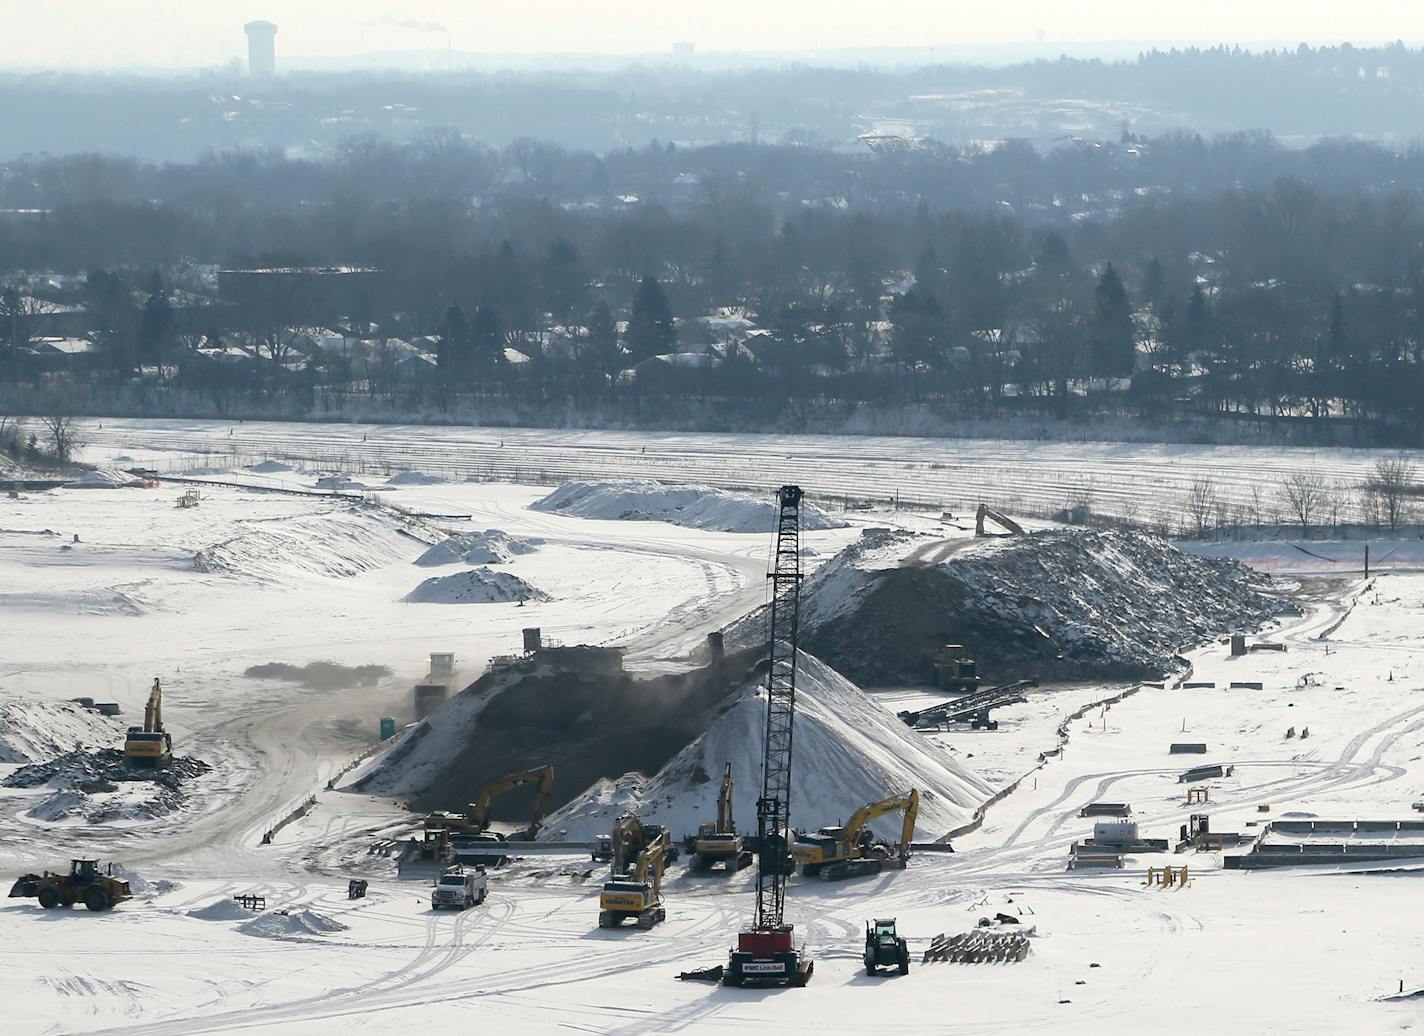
{"type": "Point", "coordinates": [90, 33]}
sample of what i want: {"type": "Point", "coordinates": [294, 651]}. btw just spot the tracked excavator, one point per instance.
{"type": "Point", "coordinates": [637, 893]}
{"type": "Point", "coordinates": [718, 843]}
{"type": "Point", "coordinates": [475, 823]}
{"type": "Point", "coordinates": [835, 853]}
{"type": "Point", "coordinates": [150, 744]}
{"type": "Point", "coordinates": [1004, 522]}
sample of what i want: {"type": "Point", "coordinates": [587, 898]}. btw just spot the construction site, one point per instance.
{"type": "Point", "coordinates": [628, 756]}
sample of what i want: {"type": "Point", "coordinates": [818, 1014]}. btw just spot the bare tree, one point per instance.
{"type": "Point", "coordinates": [1201, 503]}
{"type": "Point", "coordinates": [62, 433]}
{"type": "Point", "coordinates": [1392, 485]}
{"type": "Point", "coordinates": [1303, 494]}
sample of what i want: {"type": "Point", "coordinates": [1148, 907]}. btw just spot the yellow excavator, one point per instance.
{"type": "Point", "coordinates": [637, 892]}
{"type": "Point", "coordinates": [1004, 522]}
{"type": "Point", "coordinates": [718, 843]}
{"type": "Point", "coordinates": [477, 820]}
{"type": "Point", "coordinates": [150, 745]}
{"type": "Point", "coordinates": [834, 853]}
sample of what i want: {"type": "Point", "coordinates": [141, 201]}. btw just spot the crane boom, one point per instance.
{"type": "Point", "coordinates": [765, 952]}
{"type": "Point", "coordinates": [774, 806]}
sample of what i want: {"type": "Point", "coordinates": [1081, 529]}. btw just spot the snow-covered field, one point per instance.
{"type": "Point", "coordinates": [198, 596]}
{"type": "Point", "coordinates": [1149, 482]}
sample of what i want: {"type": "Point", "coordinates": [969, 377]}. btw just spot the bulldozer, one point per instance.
{"type": "Point", "coordinates": [718, 842]}
{"type": "Point", "coordinates": [150, 745]}
{"type": "Point", "coordinates": [885, 947]}
{"type": "Point", "coordinates": [835, 853]}
{"type": "Point", "coordinates": [477, 820]}
{"type": "Point", "coordinates": [637, 893]}
{"type": "Point", "coordinates": [85, 883]}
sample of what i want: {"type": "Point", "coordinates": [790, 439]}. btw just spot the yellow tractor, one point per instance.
{"type": "Point", "coordinates": [636, 893]}
{"type": "Point", "coordinates": [150, 745]}
{"type": "Point", "coordinates": [85, 883]}
{"type": "Point", "coordinates": [719, 843]}
{"type": "Point", "coordinates": [834, 853]}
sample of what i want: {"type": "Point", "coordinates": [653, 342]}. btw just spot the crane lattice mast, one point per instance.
{"type": "Point", "coordinates": [774, 806]}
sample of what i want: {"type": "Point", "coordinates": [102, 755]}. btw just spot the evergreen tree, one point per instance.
{"type": "Point", "coordinates": [487, 338]}
{"type": "Point", "coordinates": [651, 331]}
{"type": "Point", "coordinates": [603, 355]}
{"type": "Point", "coordinates": [156, 334]}
{"type": "Point", "coordinates": [1114, 342]}
{"type": "Point", "coordinates": [452, 349]}
{"type": "Point", "coordinates": [1154, 284]}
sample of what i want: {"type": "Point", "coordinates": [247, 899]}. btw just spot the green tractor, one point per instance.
{"type": "Point", "coordinates": [85, 883]}
{"type": "Point", "coordinates": [884, 948]}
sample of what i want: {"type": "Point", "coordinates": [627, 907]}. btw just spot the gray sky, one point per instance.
{"type": "Point", "coordinates": [99, 33]}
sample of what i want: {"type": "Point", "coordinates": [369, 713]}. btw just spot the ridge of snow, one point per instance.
{"type": "Point", "coordinates": [691, 506]}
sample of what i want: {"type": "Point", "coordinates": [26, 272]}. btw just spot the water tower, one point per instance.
{"type": "Point", "coordinates": [261, 49]}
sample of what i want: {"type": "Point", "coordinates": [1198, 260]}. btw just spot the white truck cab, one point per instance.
{"type": "Point", "coordinates": [459, 887]}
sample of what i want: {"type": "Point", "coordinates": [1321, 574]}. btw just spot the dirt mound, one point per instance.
{"type": "Point", "coordinates": [592, 721]}
{"type": "Point", "coordinates": [1063, 604]}
{"type": "Point", "coordinates": [31, 731]}
{"type": "Point", "coordinates": [101, 787]}
{"type": "Point", "coordinates": [491, 547]}
{"type": "Point", "coordinates": [476, 586]}
{"type": "Point", "coordinates": [320, 676]}
{"type": "Point", "coordinates": [104, 478]}
{"type": "Point", "coordinates": [696, 507]}
{"type": "Point", "coordinates": [849, 751]}
{"type": "Point", "coordinates": [269, 467]}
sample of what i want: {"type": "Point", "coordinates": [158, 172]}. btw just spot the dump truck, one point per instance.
{"type": "Point", "coordinates": [637, 894]}
{"type": "Point", "coordinates": [85, 883]}
{"type": "Point", "coordinates": [717, 842]}
{"type": "Point", "coordinates": [459, 887]}
{"type": "Point", "coordinates": [150, 744]}
{"type": "Point", "coordinates": [884, 948]}
{"type": "Point", "coordinates": [834, 853]}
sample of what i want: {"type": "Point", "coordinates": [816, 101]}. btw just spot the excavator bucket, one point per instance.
{"type": "Point", "coordinates": [27, 886]}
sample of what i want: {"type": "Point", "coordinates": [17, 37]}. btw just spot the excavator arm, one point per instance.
{"type": "Point", "coordinates": [480, 810]}
{"type": "Point", "coordinates": [908, 804]}
{"type": "Point", "coordinates": [627, 841]}
{"type": "Point", "coordinates": [153, 711]}
{"type": "Point", "coordinates": [725, 824]}
{"type": "Point", "coordinates": [1004, 522]}
{"type": "Point", "coordinates": [652, 860]}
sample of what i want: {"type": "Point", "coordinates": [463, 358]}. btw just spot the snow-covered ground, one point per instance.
{"type": "Point", "coordinates": [296, 579]}
{"type": "Point", "coordinates": [1150, 482]}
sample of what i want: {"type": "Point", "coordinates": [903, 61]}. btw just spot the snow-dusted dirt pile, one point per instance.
{"type": "Point", "coordinates": [475, 586]}
{"type": "Point", "coordinates": [692, 506]}
{"type": "Point", "coordinates": [104, 478]}
{"type": "Point", "coordinates": [491, 547]}
{"type": "Point", "coordinates": [414, 478]}
{"type": "Point", "coordinates": [270, 467]}
{"type": "Point", "coordinates": [849, 751]}
{"type": "Point", "coordinates": [296, 922]}
{"type": "Point", "coordinates": [1062, 604]}
{"type": "Point", "coordinates": [98, 786]}
{"type": "Point", "coordinates": [574, 708]}
{"type": "Point", "coordinates": [332, 543]}
{"type": "Point", "coordinates": [31, 731]}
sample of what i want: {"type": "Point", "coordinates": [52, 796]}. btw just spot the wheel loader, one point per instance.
{"type": "Point", "coordinates": [85, 883]}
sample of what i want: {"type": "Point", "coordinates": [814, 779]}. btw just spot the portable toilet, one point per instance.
{"type": "Point", "coordinates": [388, 728]}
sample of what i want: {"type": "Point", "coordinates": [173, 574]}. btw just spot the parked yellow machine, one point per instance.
{"type": "Point", "coordinates": [85, 883]}
{"type": "Point", "coordinates": [718, 842]}
{"type": "Point", "coordinates": [637, 893]}
{"type": "Point", "coordinates": [833, 853]}
{"type": "Point", "coordinates": [150, 744]}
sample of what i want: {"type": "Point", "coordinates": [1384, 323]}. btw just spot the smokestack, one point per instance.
{"type": "Point", "coordinates": [261, 49]}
